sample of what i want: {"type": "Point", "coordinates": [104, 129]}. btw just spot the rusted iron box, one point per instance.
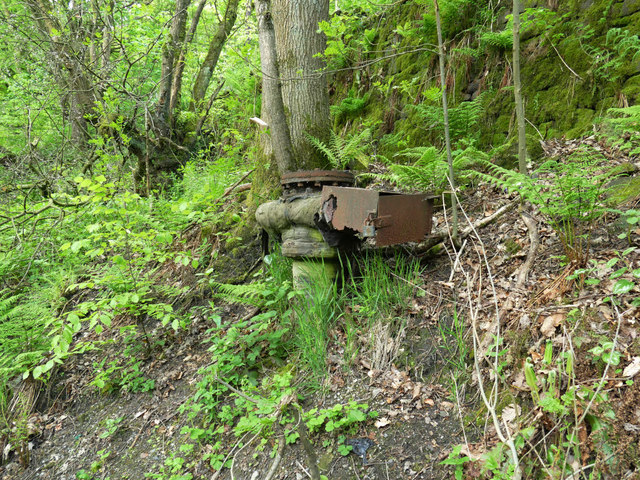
{"type": "Point", "coordinates": [389, 218]}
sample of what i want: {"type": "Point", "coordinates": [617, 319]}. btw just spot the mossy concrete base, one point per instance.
{"type": "Point", "coordinates": [314, 273]}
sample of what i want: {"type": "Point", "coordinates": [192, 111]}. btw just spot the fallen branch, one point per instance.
{"type": "Point", "coordinates": [237, 184]}
{"type": "Point", "coordinates": [314, 473]}
{"type": "Point", "coordinates": [441, 236]}
{"type": "Point", "coordinates": [276, 460]}
{"type": "Point", "coordinates": [239, 189]}
{"type": "Point", "coordinates": [236, 391]}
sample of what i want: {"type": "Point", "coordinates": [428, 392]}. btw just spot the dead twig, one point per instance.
{"type": "Point", "coordinates": [234, 457]}
{"type": "Point", "coordinates": [604, 377]}
{"type": "Point", "coordinates": [217, 472]}
{"type": "Point", "coordinates": [235, 390]}
{"type": "Point", "coordinates": [441, 236]}
{"type": "Point", "coordinates": [504, 436]}
{"type": "Point", "coordinates": [562, 59]}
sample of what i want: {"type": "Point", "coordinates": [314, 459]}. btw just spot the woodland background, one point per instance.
{"type": "Point", "coordinates": [143, 333]}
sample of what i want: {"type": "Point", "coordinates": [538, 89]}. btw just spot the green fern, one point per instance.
{"type": "Point", "coordinates": [430, 169]}
{"type": "Point", "coordinates": [622, 126]}
{"type": "Point", "coordinates": [344, 152]}
{"type": "Point", "coordinates": [621, 48]}
{"type": "Point", "coordinates": [250, 293]}
{"type": "Point", "coordinates": [623, 120]}
{"type": "Point", "coordinates": [568, 193]}
{"type": "Point", "coordinates": [497, 41]}
{"type": "Point", "coordinates": [23, 341]}
{"type": "Point", "coordinates": [463, 119]}
{"type": "Point", "coordinates": [624, 43]}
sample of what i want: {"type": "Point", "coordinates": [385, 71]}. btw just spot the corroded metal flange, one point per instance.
{"type": "Point", "coordinates": [312, 181]}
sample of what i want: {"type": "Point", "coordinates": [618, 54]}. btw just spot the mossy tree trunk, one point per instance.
{"type": "Point", "coordinates": [77, 49]}
{"type": "Point", "coordinates": [218, 40]}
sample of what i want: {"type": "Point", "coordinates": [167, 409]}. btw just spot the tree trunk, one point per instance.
{"type": "Point", "coordinates": [305, 90]}
{"type": "Point", "coordinates": [176, 87]}
{"type": "Point", "coordinates": [447, 136]}
{"type": "Point", "coordinates": [170, 51]}
{"type": "Point", "coordinates": [527, 217]}
{"type": "Point", "coordinates": [278, 142]}
{"type": "Point", "coordinates": [215, 47]}
{"type": "Point", "coordinates": [517, 90]}
{"type": "Point", "coordinates": [67, 60]}
{"type": "Point", "coordinates": [107, 38]}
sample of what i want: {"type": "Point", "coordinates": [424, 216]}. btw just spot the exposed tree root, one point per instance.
{"type": "Point", "coordinates": [534, 244]}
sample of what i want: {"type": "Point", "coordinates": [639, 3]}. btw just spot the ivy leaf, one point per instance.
{"type": "Point", "coordinates": [622, 286]}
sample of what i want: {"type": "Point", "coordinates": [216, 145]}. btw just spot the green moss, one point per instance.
{"type": "Point", "coordinates": [630, 21]}
{"type": "Point", "coordinates": [583, 121]}
{"type": "Point", "coordinates": [631, 89]}
{"type": "Point", "coordinates": [605, 104]}
{"type": "Point", "coordinates": [511, 246]}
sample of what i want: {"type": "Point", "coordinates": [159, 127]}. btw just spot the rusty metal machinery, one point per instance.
{"type": "Point", "coordinates": [320, 211]}
{"type": "Point", "coordinates": [386, 217]}
{"type": "Point", "coordinates": [308, 182]}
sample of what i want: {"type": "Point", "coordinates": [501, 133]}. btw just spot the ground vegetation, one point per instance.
{"type": "Point", "coordinates": [144, 331]}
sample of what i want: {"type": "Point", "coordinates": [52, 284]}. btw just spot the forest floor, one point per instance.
{"type": "Point", "coordinates": [426, 402]}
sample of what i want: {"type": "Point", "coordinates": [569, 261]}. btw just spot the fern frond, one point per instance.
{"type": "Point", "coordinates": [343, 152]}
{"type": "Point", "coordinates": [501, 41]}
{"type": "Point", "coordinates": [22, 331]}
{"type": "Point", "coordinates": [422, 155]}
{"type": "Point", "coordinates": [251, 293]}
{"type": "Point", "coordinates": [323, 148]}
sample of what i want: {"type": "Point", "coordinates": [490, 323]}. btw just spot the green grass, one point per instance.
{"type": "Point", "coordinates": [380, 289]}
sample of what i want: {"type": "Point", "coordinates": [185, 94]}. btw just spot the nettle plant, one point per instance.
{"type": "Point", "coordinates": [569, 193]}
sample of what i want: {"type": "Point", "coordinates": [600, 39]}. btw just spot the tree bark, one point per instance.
{"type": "Point", "coordinates": [517, 90]}
{"type": "Point", "coordinates": [213, 54]}
{"type": "Point", "coordinates": [176, 87]}
{"type": "Point", "coordinates": [67, 59]}
{"type": "Point", "coordinates": [278, 142]}
{"type": "Point", "coordinates": [447, 136]}
{"type": "Point", "coordinates": [170, 52]}
{"type": "Point", "coordinates": [305, 92]}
